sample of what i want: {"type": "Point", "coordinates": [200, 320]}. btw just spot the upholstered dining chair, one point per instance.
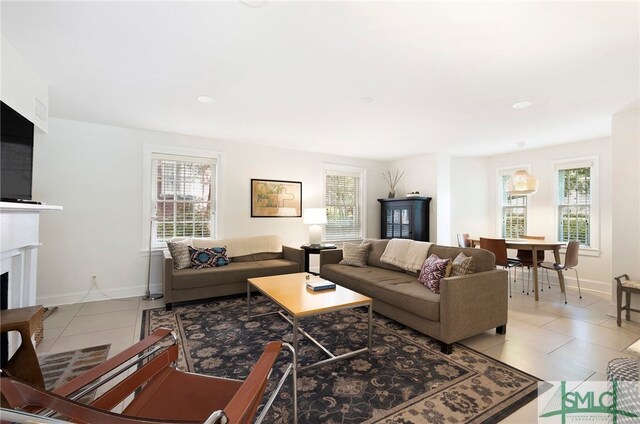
{"type": "Point", "coordinates": [570, 262]}
{"type": "Point", "coordinates": [499, 248]}
{"type": "Point", "coordinates": [163, 393]}
{"type": "Point", "coordinates": [526, 257]}
{"type": "Point", "coordinates": [463, 240]}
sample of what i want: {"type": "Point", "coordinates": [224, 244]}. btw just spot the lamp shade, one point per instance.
{"type": "Point", "coordinates": [315, 216]}
{"type": "Point", "coordinates": [521, 182]}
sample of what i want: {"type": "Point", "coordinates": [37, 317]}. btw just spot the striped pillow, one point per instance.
{"type": "Point", "coordinates": [180, 253]}
{"type": "Point", "coordinates": [463, 265]}
{"type": "Point", "coordinates": [355, 254]}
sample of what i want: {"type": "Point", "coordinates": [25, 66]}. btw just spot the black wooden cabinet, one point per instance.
{"type": "Point", "coordinates": [405, 217]}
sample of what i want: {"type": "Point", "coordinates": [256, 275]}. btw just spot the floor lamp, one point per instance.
{"type": "Point", "coordinates": [149, 295]}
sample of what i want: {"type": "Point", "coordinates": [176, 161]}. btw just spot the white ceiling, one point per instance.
{"type": "Point", "coordinates": [442, 75]}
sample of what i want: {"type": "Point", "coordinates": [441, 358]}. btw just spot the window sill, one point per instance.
{"type": "Point", "coordinates": [585, 251]}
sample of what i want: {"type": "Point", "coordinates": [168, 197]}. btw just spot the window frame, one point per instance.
{"type": "Point", "coordinates": [361, 173]}
{"type": "Point", "coordinates": [151, 152]}
{"type": "Point", "coordinates": [500, 207]}
{"type": "Point", "coordinates": [592, 162]}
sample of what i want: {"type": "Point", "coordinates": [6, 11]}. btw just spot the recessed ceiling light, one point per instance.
{"type": "Point", "coordinates": [367, 100]}
{"type": "Point", "coordinates": [404, 138]}
{"type": "Point", "coordinates": [521, 105]}
{"type": "Point", "coordinates": [206, 99]}
{"type": "Point", "coordinates": [254, 3]}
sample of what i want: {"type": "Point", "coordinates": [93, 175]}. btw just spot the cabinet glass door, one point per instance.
{"type": "Point", "coordinates": [398, 223]}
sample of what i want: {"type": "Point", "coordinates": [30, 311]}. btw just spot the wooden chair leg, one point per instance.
{"type": "Point", "coordinates": [619, 303]}
{"type": "Point", "coordinates": [628, 306]}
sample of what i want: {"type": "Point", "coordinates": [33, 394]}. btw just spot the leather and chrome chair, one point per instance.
{"type": "Point", "coordinates": [570, 262]}
{"type": "Point", "coordinates": [463, 240]}
{"type": "Point", "coordinates": [162, 392]}
{"type": "Point", "coordinates": [499, 248]}
{"type": "Point", "coordinates": [526, 257]}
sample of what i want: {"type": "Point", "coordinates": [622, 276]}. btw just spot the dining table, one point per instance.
{"type": "Point", "coordinates": [534, 246]}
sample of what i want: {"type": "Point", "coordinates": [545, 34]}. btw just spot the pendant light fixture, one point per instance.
{"type": "Point", "coordinates": [521, 182]}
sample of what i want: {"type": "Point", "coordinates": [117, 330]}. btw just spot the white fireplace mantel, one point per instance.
{"type": "Point", "coordinates": [19, 241]}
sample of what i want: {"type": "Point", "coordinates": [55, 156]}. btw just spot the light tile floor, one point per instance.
{"type": "Point", "coordinates": [548, 339]}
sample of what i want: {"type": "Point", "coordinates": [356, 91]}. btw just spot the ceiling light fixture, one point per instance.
{"type": "Point", "coordinates": [206, 99]}
{"type": "Point", "coordinates": [366, 99]}
{"type": "Point", "coordinates": [521, 105]}
{"type": "Point", "coordinates": [521, 182]}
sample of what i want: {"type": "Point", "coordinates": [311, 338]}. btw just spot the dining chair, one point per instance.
{"type": "Point", "coordinates": [570, 262]}
{"type": "Point", "coordinates": [526, 257]}
{"type": "Point", "coordinates": [163, 393]}
{"type": "Point", "coordinates": [499, 248]}
{"type": "Point", "coordinates": [463, 240]}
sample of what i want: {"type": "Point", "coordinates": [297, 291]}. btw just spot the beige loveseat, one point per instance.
{"type": "Point", "coordinates": [467, 305]}
{"type": "Point", "coordinates": [249, 258]}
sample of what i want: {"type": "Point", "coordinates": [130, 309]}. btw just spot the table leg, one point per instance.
{"type": "Point", "coordinates": [295, 338]}
{"type": "Point", "coordinates": [370, 326]}
{"type": "Point", "coordinates": [556, 255]}
{"type": "Point", "coordinates": [306, 261]}
{"type": "Point", "coordinates": [534, 256]}
{"type": "Point", "coordinates": [248, 301]}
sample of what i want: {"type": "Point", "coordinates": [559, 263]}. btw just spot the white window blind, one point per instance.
{"type": "Point", "coordinates": [183, 196]}
{"type": "Point", "coordinates": [514, 210]}
{"type": "Point", "coordinates": [574, 203]}
{"type": "Point", "coordinates": [343, 200]}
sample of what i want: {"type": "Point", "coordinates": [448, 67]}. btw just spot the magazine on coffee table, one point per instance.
{"type": "Point", "coordinates": [318, 285]}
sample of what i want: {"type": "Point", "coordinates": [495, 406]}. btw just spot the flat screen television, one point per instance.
{"type": "Point", "coordinates": [16, 155]}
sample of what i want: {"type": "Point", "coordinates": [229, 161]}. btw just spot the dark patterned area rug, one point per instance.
{"type": "Point", "coordinates": [405, 379]}
{"type": "Point", "coordinates": [58, 368]}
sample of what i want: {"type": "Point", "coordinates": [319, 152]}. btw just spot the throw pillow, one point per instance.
{"type": "Point", "coordinates": [208, 258]}
{"type": "Point", "coordinates": [463, 265]}
{"type": "Point", "coordinates": [433, 271]}
{"type": "Point", "coordinates": [180, 253]}
{"type": "Point", "coordinates": [355, 254]}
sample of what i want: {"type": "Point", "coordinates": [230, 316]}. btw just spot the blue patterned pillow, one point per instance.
{"type": "Point", "coordinates": [208, 258]}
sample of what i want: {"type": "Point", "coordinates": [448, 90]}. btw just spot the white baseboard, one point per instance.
{"type": "Point", "coordinates": [94, 295]}
{"type": "Point", "coordinates": [570, 281]}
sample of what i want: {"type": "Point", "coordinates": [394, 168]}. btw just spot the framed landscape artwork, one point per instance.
{"type": "Point", "coordinates": [276, 199]}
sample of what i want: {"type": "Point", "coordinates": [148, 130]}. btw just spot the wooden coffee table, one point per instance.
{"type": "Point", "coordinates": [289, 291]}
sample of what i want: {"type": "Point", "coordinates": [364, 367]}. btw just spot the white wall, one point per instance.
{"type": "Point", "coordinates": [470, 198]}
{"type": "Point", "coordinates": [420, 174]}
{"type": "Point", "coordinates": [95, 172]}
{"type": "Point", "coordinates": [625, 140]}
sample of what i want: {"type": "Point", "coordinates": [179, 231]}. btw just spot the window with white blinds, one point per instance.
{"type": "Point", "coordinates": [513, 219]}
{"type": "Point", "coordinates": [344, 202]}
{"type": "Point", "coordinates": [574, 202]}
{"type": "Point", "coordinates": [183, 197]}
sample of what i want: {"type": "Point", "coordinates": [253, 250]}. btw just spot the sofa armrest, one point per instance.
{"type": "Point", "coordinates": [294, 254]}
{"type": "Point", "coordinates": [330, 257]}
{"type": "Point", "coordinates": [167, 274]}
{"type": "Point", "coordinates": [473, 303]}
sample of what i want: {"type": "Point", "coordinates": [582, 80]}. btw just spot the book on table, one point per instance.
{"type": "Point", "coordinates": [317, 285]}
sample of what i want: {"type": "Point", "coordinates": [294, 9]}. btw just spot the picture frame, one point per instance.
{"type": "Point", "coordinates": [276, 198]}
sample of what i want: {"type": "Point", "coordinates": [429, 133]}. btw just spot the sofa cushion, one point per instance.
{"type": "Point", "coordinates": [395, 288]}
{"type": "Point", "coordinates": [208, 258]}
{"type": "Point", "coordinates": [233, 273]}
{"type": "Point", "coordinates": [376, 251]}
{"type": "Point", "coordinates": [433, 271]}
{"type": "Point", "coordinates": [180, 253]}
{"type": "Point", "coordinates": [242, 246]}
{"type": "Point", "coordinates": [463, 265]}
{"type": "Point", "coordinates": [355, 254]}
{"type": "Point", "coordinates": [257, 257]}
{"type": "Point", "coordinates": [484, 260]}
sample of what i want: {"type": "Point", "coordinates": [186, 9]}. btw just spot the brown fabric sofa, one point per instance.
{"type": "Point", "coordinates": [466, 306]}
{"type": "Point", "coordinates": [182, 285]}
